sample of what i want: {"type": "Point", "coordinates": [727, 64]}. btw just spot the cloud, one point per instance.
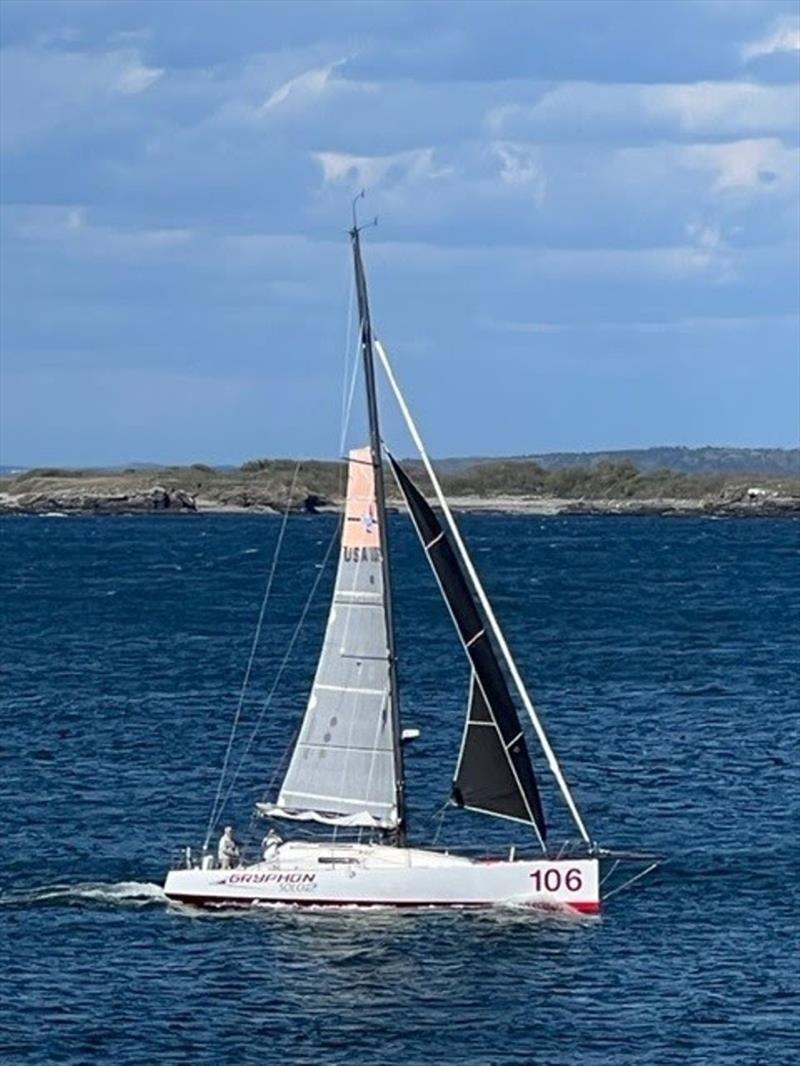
{"type": "Point", "coordinates": [763, 166]}
{"type": "Point", "coordinates": [305, 86]}
{"type": "Point", "coordinates": [634, 196]}
{"type": "Point", "coordinates": [697, 259]}
{"type": "Point", "coordinates": [369, 171]}
{"type": "Point", "coordinates": [135, 77]}
{"type": "Point", "coordinates": [681, 110]}
{"type": "Point", "coordinates": [60, 88]}
{"type": "Point", "coordinates": [70, 229]}
{"type": "Point", "coordinates": [592, 168]}
{"type": "Point", "coordinates": [521, 167]}
{"type": "Point", "coordinates": [438, 189]}
{"type": "Point", "coordinates": [723, 107]}
{"type": "Point", "coordinates": [782, 36]}
{"type": "Point", "coordinates": [310, 87]}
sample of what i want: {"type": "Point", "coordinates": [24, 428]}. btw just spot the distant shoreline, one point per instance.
{"type": "Point", "coordinates": [543, 507]}
{"type": "Point", "coordinates": [507, 486]}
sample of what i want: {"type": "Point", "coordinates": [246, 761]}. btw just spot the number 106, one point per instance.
{"type": "Point", "coordinates": [551, 880]}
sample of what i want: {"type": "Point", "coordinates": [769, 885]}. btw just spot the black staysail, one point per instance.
{"type": "Point", "coordinates": [494, 772]}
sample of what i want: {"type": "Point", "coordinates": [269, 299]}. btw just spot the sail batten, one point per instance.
{"type": "Point", "coordinates": [343, 765]}
{"type": "Point", "coordinates": [494, 772]}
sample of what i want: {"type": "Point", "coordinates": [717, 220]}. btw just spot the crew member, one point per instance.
{"type": "Point", "coordinates": [227, 852]}
{"type": "Point", "coordinates": [270, 844]}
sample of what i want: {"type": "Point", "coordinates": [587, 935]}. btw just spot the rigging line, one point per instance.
{"type": "Point", "coordinates": [284, 662]}
{"type": "Point", "coordinates": [610, 872]}
{"type": "Point", "coordinates": [253, 648]}
{"type": "Point", "coordinates": [440, 816]}
{"type": "Point", "coordinates": [349, 406]}
{"type": "Point", "coordinates": [281, 763]}
{"type": "Point", "coordinates": [631, 881]}
{"type": "Point", "coordinates": [347, 400]}
{"type": "Point", "coordinates": [346, 368]}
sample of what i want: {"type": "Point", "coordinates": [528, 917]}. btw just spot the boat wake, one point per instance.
{"type": "Point", "coordinates": [504, 913]}
{"type": "Point", "coordinates": [146, 893]}
{"type": "Point", "coordinates": [127, 893]}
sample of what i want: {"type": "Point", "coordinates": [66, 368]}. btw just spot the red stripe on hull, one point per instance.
{"type": "Point", "coordinates": [213, 901]}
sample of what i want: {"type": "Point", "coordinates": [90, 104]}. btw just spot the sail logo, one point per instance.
{"type": "Point", "coordinates": [362, 555]}
{"type": "Point", "coordinates": [369, 521]}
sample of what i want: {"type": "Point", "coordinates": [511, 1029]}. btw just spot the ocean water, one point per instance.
{"type": "Point", "coordinates": [663, 655]}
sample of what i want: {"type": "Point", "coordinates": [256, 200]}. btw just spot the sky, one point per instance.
{"type": "Point", "coordinates": [588, 224]}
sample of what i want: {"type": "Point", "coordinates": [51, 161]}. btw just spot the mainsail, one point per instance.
{"type": "Point", "coordinates": [494, 772]}
{"type": "Point", "coordinates": [342, 770]}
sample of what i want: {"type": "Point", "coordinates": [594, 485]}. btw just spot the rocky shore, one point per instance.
{"type": "Point", "coordinates": [744, 506]}
{"type": "Point", "coordinates": [153, 501]}
{"type": "Point", "coordinates": [81, 499]}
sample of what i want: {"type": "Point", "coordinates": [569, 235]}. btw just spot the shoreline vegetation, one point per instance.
{"type": "Point", "coordinates": [604, 485]}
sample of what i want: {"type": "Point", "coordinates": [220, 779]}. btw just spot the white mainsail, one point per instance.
{"type": "Point", "coordinates": [342, 770]}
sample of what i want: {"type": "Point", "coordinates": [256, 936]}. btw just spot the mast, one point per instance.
{"type": "Point", "coordinates": [380, 504]}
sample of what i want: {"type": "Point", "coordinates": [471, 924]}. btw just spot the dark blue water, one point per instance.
{"type": "Point", "coordinates": [664, 657]}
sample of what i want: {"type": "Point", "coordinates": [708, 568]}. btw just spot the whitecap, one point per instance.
{"type": "Point", "coordinates": [136, 893]}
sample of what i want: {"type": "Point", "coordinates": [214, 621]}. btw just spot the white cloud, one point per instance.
{"type": "Point", "coordinates": [442, 183]}
{"type": "Point", "coordinates": [76, 218]}
{"type": "Point", "coordinates": [640, 195]}
{"type": "Point", "coordinates": [135, 77]}
{"type": "Point", "coordinates": [60, 87]}
{"type": "Point", "coordinates": [362, 171]}
{"type": "Point", "coordinates": [310, 86]}
{"type": "Point", "coordinates": [706, 108]}
{"type": "Point", "coordinates": [762, 165]}
{"type": "Point", "coordinates": [310, 83]}
{"type": "Point", "coordinates": [723, 107]}
{"type": "Point", "coordinates": [782, 36]}
{"type": "Point", "coordinates": [58, 35]}
{"type": "Point", "coordinates": [521, 168]}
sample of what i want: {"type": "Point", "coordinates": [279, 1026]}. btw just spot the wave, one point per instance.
{"type": "Point", "coordinates": [144, 893]}
{"type": "Point", "coordinates": [131, 893]}
{"type": "Point", "coordinates": [339, 916]}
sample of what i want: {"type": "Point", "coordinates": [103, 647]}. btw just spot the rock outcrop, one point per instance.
{"type": "Point", "coordinates": [74, 501]}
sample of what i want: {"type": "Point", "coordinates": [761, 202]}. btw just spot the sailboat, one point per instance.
{"type": "Point", "coordinates": [346, 771]}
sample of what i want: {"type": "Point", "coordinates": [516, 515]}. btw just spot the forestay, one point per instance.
{"type": "Point", "coordinates": [342, 770]}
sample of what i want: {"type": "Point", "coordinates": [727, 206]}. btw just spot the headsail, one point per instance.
{"type": "Point", "coordinates": [342, 769]}
{"type": "Point", "coordinates": [494, 772]}
{"type": "Point", "coordinates": [485, 778]}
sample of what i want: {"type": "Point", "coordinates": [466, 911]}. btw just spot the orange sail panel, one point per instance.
{"type": "Point", "coordinates": [361, 528]}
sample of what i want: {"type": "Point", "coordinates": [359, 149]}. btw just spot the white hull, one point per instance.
{"type": "Point", "coordinates": [378, 875]}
